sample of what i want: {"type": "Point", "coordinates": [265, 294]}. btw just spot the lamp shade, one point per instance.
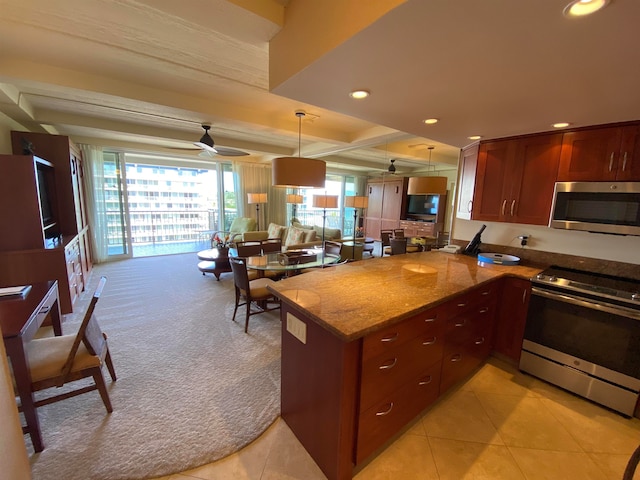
{"type": "Point", "coordinates": [355, 201]}
{"type": "Point", "coordinates": [427, 185]}
{"type": "Point", "coordinates": [325, 201]}
{"type": "Point", "coordinates": [256, 198]}
{"type": "Point", "coordinates": [294, 198]}
{"type": "Point", "coordinates": [298, 172]}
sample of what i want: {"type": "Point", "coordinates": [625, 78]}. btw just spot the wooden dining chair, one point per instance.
{"type": "Point", "coordinates": [398, 246]}
{"type": "Point", "coordinates": [57, 361]}
{"type": "Point", "coordinates": [385, 236]}
{"type": "Point", "coordinates": [251, 291]}
{"type": "Point", "coordinates": [251, 248]}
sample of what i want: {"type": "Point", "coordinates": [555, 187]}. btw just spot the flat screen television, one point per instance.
{"type": "Point", "coordinates": [44, 176]}
{"type": "Point", "coordinates": [423, 204]}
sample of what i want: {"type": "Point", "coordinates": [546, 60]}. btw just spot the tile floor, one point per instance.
{"type": "Point", "coordinates": [499, 425]}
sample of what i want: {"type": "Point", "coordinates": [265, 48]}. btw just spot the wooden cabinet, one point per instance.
{"type": "Point", "coordinates": [511, 317]}
{"type": "Point", "coordinates": [420, 229]}
{"type": "Point", "coordinates": [504, 187]}
{"type": "Point", "coordinates": [399, 377]}
{"type": "Point", "coordinates": [601, 154]}
{"type": "Point", "coordinates": [468, 334]}
{"type": "Point", "coordinates": [28, 251]}
{"type": "Point", "coordinates": [466, 181]}
{"type": "Point", "coordinates": [387, 200]}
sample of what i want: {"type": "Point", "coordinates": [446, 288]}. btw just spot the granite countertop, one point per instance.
{"type": "Point", "coordinates": [358, 298]}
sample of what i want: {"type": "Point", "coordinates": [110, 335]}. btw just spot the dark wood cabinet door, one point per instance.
{"type": "Point", "coordinates": [466, 181]}
{"type": "Point", "coordinates": [511, 317]}
{"type": "Point", "coordinates": [629, 162]}
{"type": "Point", "coordinates": [532, 178]}
{"type": "Point", "coordinates": [590, 155]}
{"type": "Point", "coordinates": [374, 209]}
{"type": "Point", "coordinates": [490, 198]}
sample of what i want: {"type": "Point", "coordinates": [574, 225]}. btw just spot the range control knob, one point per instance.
{"type": "Point", "coordinates": [540, 276]}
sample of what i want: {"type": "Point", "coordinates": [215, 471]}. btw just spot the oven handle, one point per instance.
{"type": "Point", "coordinates": [603, 307]}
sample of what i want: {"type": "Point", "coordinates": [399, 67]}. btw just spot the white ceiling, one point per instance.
{"type": "Point", "coordinates": [144, 74]}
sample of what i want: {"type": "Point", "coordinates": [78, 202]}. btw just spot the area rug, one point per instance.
{"type": "Point", "coordinates": [192, 387]}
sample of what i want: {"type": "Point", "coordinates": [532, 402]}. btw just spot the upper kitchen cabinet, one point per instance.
{"type": "Point", "coordinates": [466, 181]}
{"type": "Point", "coordinates": [601, 154]}
{"type": "Point", "coordinates": [515, 179]}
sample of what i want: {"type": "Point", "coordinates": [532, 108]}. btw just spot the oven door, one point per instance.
{"type": "Point", "coordinates": [588, 347]}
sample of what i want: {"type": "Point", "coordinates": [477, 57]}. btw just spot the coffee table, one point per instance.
{"type": "Point", "coordinates": [214, 260]}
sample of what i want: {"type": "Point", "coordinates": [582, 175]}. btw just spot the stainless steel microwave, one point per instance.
{"type": "Point", "coordinates": [603, 207]}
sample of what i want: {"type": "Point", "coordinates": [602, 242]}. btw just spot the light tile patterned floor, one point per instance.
{"type": "Point", "coordinates": [499, 425]}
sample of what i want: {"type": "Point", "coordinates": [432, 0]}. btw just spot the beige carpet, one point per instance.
{"type": "Point", "coordinates": [192, 386]}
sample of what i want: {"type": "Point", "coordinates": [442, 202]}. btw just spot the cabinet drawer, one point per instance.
{"type": "Point", "coordinates": [461, 358]}
{"type": "Point", "coordinates": [378, 423]}
{"type": "Point", "coordinates": [475, 320]}
{"type": "Point", "coordinates": [485, 294]}
{"type": "Point", "coordinates": [385, 373]}
{"type": "Point", "coordinates": [389, 338]}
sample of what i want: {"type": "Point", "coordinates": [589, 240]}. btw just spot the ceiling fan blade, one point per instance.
{"type": "Point", "coordinates": [230, 152]}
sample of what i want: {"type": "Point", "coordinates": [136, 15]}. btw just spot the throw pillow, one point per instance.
{"type": "Point", "coordinates": [274, 230]}
{"type": "Point", "coordinates": [310, 236]}
{"type": "Point", "coordinates": [295, 236]}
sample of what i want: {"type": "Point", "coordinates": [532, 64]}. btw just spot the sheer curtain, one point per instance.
{"type": "Point", "coordinates": [253, 178]}
{"type": "Point", "coordinates": [94, 191]}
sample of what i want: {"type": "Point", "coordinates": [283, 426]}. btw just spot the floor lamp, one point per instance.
{"type": "Point", "coordinates": [355, 202]}
{"type": "Point", "coordinates": [257, 198]}
{"type": "Point", "coordinates": [324, 202]}
{"type": "Point", "coordinates": [294, 199]}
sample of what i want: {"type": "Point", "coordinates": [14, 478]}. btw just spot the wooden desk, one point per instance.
{"type": "Point", "coordinates": [20, 319]}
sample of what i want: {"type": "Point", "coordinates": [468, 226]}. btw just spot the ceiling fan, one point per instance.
{"type": "Point", "coordinates": [208, 148]}
{"type": "Point", "coordinates": [206, 143]}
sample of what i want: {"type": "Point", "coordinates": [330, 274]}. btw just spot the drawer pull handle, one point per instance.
{"type": "Point", "coordinates": [386, 412]}
{"type": "Point", "coordinates": [456, 358]}
{"type": "Point", "coordinates": [479, 341]}
{"type": "Point", "coordinates": [425, 382]}
{"type": "Point", "coordinates": [390, 338]}
{"type": "Point", "coordinates": [504, 205]}
{"type": "Point", "coordinates": [462, 323]}
{"type": "Point", "coordinates": [389, 364]}
{"type": "Point", "coordinates": [462, 305]}
{"type": "Point", "coordinates": [44, 310]}
{"type": "Point", "coordinates": [486, 292]}
{"type": "Point", "coordinates": [430, 341]}
{"type": "Point", "coordinates": [428, 320]}
{"type": "Point", "coordinates": [484, 310]}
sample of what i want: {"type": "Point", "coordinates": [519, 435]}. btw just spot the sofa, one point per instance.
{"type": "Point", "coordinates": [296, 236]}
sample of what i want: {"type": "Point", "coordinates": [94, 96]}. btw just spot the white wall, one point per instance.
{"type": "Point", "coordinates": [592, 245]}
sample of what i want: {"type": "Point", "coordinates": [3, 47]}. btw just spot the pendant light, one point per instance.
{"type": "Point", "coordinates": [427, 185]}
{"type": "Point", "coordinates": [298, 172]}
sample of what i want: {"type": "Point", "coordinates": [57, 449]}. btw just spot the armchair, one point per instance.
{"type": "Point", "coordinates": [238, 227]}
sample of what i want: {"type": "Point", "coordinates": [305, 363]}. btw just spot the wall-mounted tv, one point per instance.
{"type": "Point", "coordinates": [44, 177]}
{"type": "Point", "coordinates": [423, 204]}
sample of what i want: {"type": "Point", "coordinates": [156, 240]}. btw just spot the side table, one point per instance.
{"type": "Point", "coordinates": [214, 260]}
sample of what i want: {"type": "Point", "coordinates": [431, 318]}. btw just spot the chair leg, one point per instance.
{"type": "Point", "coordinates": [236, 307]}
{"type": "Point", "coordinates": [102, 388]}
{"type": "Point", "coordinates": [246, 322]}
{"type": "Point", "coordinates": [112, 371]}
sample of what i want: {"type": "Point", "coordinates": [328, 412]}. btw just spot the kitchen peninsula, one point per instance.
{"type": "Point", "coordinates": [369, 345]}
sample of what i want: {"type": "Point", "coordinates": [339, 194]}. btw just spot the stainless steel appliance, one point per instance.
{"type": "Point", "coordinates": [604, 207]}
{"type": "Point", "coordinates": [583, 334]}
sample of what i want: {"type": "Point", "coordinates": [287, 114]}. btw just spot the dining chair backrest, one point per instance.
{"type": "Point", "coordinates": [249, 248]}
{"type": "Point", "coordinates": [398, 246]}
{"type": "Point", "coordinates": [398, 232]}
{"type": "Point", "coordinates": [385, 236]}
{"type": "Point", "coordinates": [240, 275]}
{"type": "Point", "coordinates": [271, 245]}
{"type": "Point", "coordinates": [332, 248]}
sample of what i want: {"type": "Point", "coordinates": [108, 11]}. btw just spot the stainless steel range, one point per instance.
{"type": "Point", "coordinates": [583, 334]}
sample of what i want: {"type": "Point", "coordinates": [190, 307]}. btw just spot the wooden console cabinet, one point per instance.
{"type": "Point", "coordinates": [28, 253]}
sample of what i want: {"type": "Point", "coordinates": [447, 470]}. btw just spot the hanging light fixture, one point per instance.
{"type": "Point", "coordinates": [392, 167]}
{"type": "Point", "coordinates": [297, 171]}
{"type": "Point", "coordinates": [427, 185]}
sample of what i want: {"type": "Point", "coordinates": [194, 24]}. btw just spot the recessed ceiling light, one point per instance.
{"type": "Point", "coordinates": [580, 8]}
{"type": "Point", "coordinates": [560, 124]}
{"type": "Point", "coordinates": [475, 137]}
{"type": "Point", "coordinates": [359, 94]}
{"type": "Point", "coordinates": [430, 121]}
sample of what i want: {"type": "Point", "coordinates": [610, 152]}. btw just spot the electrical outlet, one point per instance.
{"type": "Point", "coordinates": [297, 328]}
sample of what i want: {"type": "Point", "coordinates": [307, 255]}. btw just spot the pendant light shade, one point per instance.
{"type": "Point", "coordinates": [427, 185]}
{"type": "Point", "coordinates": [298, 171]}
